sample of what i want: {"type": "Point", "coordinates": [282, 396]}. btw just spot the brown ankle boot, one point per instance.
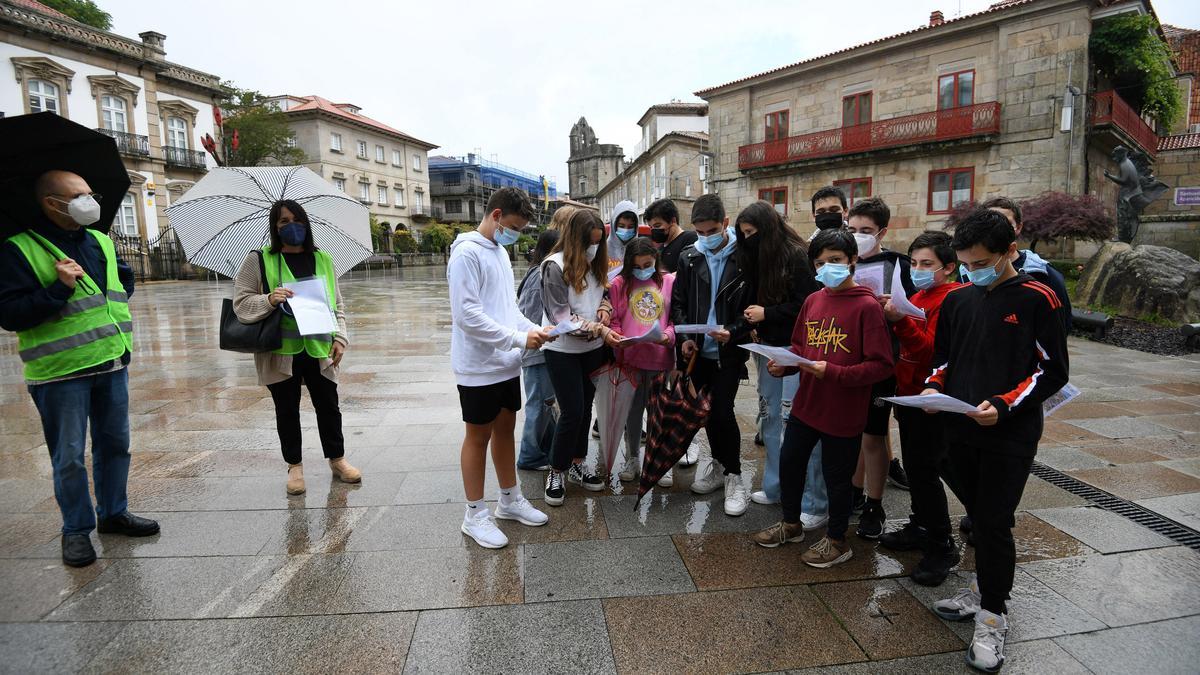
{"type": "Point", "coordinates": [343, 471]}
{"type": "Point", "coordinates": [295, 481]}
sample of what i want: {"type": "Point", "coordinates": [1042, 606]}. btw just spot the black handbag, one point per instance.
{"type": "Point", "coordinates": [265, 335]}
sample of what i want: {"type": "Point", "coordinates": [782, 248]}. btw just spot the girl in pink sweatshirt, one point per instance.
{"type": "Point", "coordinates": [641, 298]}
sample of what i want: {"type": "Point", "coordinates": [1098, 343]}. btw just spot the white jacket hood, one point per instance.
{"type": "Point", "coordinates": [616, 247]}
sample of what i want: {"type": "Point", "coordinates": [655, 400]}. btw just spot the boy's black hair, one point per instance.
{"type": "Point", "coordinates": [511, 201]}
{"type": "Point", "coordinates": [662, 208]}
{"type": "Point", "coordinates": [984, 227]}
{"type": "Point", "coordinates": [636, 248]}
{"type": "Point", "coordinates": [298, 215]}
{"type": "Point", "coordinates": [828, 191]}
{"type": "Point", "coordinates": [834, 239]}
{"type": "Point", "coordinates": [1004, 203]}
{"type": "Point", "coordinates": [626, 214]}
{"type": "Point", "coordinates": [938, 242]}
{"type": "Point", "coordinates": [708, 208]}
{"type": "Point", "coordinates": [874, 208]}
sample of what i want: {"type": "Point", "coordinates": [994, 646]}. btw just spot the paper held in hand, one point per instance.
{"type": "Point", "coordinates": [654, 335]}
{"type": "Point", "coordinates": [782, 356]}
{"type": "Point", "coordinates": [698, 328]}
{"type": "Point", "coordinates": [310, 306]}
{"type": "Point", "coordinates": [940, 402]}
{"type": "Point", "coordinates": [900, 298]}
{"type": "Point", "coordinates": [870, 276]}
{"type": "Point", "coordinates": [566, 326]}
{"type": "Point", "coordinates": [1063, 396]}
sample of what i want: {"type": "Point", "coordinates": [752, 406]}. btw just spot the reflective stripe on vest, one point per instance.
{"type": "Point", "coordinates": [90, 329]}
{"type": "Point", "coordinates": [277, 272]}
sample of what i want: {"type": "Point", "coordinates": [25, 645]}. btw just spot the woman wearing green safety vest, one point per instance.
{"type": "Point", "coordinates": [311, 359]}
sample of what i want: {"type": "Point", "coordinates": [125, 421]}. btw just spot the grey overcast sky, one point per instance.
{"type": "Point", "coordinates": [510, 78]}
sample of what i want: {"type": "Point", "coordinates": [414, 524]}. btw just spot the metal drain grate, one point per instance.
{"type": "Point", "coordinates": [1139, 514]}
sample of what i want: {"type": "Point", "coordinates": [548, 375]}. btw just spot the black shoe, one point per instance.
{"type": "Point", "coordinates": [870, 523]}
{"type": "Point", "coordinates": [936, 564]}
{"type": "Point", "coordinates": [596, 429]}
{"type": "Point", "coordinates": [128, 525]}
{"type": "Point", "coordinates": [758, 439]}
{"type": "Point", "coordinates": [908, 538]}
{"type": "Point", "coordinates": [77, 550]}
{"type": "Point", "coordinates": [858, 500]}
{"type": "Point", "coordinates": [897, 476]}
{"type": "Point", "coordinates": [588, 481]}
{"type": "Point", "coordinates": [964, 523]}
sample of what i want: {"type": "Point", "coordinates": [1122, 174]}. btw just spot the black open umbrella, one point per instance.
{"type": "Point", "coordinates": [31, 145]}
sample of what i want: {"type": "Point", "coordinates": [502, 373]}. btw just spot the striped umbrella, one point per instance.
{"type": "Point", "coordinates": [224, 216]}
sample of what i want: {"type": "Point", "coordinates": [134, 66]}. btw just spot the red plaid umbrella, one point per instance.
{"type": "Point", "coordinates": [677, 411]}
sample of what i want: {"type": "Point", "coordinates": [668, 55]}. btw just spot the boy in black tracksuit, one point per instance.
{"type": "Point", "coordinates": [1000, 344]}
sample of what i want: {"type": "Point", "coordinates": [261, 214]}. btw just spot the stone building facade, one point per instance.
{"type": "Point", "coordinates": [591, 164]}
{"type": "Point", "coordinates": [670, 168]}
{"type": "Point", "coordinates": [155, 110]}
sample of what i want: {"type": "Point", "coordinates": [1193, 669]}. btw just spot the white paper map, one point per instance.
{"type": "Point", "coordinates": [782, 356]}
{"type": "Point", "coordinates": [1068, 393]}
{"type": "Point", "coordinates": [698, 328]}
{"type": "Point", "coordinates": [310, 306]}
{"type": "Point", "coordinates": [870, 276]}
{"type": "Point", "coordinates": [940, 402]}
{"type": "Point", "coordinates": [654, 335]}
{"type": "Point", "coordinates": [900, 298]}
{"type": "Point", "coordinates": [565, 326]}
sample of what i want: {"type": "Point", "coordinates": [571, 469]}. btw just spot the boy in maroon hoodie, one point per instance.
{"type": "Point", "coordinates": [842, 330]}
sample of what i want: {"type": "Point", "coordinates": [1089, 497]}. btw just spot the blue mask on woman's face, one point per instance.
{"type": "Point", "coordinates": [644, 274]}
{"type": "Point", "coordinates": [293, 233]}
{"type": "Point", "coordinates": [625, 234]}
{"type": "Point", "coordinates": [831, 275]}
{"type": "Point", "coordinates": [505, 236]}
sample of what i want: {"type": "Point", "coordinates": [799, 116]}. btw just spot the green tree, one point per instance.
{"type": "Point", "coordinates": [83, 11]}
{"type": "Point", "coordinates": [1128, 51]}
{"type": "Point", "coordinates": [263, 132]}
{"type": "Point", "coordinates": [403, 242]}
{"type": "Point", "coordinates": [436, 238]}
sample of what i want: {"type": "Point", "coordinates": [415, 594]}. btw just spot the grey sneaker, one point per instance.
{"type": "Point", "coordinates": [964, 604]}
{"type": "Point", "coordinates": [986, 652]}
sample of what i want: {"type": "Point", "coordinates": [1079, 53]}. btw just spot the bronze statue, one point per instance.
{"type": "Point", "coordinates": [1139, 187]}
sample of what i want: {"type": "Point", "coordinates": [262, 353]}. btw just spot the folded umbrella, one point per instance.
{"type": "Point", "coordinates": [677, 411]}
{"type": "Point", "coordinates": [615, 385]}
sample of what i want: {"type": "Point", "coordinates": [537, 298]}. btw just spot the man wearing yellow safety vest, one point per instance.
{"type": "Point", "coordinates": [65, 294]}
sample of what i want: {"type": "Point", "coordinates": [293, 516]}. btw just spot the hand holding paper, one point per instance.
{"type": "Point", "coordinates": [566, 326]}
{"type": "Point", "coordinates": [310, 307]}
{"type": "Point", "coordinates": [900, 300]}
{"type": "Point", "coordinates": [938, 402]}
{"type": "Point", "coordinates": [780, 355]}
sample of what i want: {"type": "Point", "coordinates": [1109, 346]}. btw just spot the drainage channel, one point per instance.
{"type": "Point", "coordinates": [1122, 507]}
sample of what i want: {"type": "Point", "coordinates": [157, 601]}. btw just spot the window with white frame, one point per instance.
{"type": "Point", "coordinates": [382, 195]}
{"type": "Point", "coordinates": [362, 149]}
{"type": "Point", "coordinates": [399, 196]}
{"type": "Point", "coordinates": [112, 112]}
{"type": "Point", "coordinates": [291, 140]}
{"type": "Point", "coordinates": [340, 183]}
{"type": "Point", "coordinates": [364, 192]}
{"type": "Point", "coordinates": [380, 155]}
{"type": "Point", "coordinates": [43, 97]}
{"type": "Point", "coordinates": [687, 187]}
{"type": "Point", "coordinates": [126, 220]}
{"type": "Point", "coordinates": [335, 142]}
{"type": "Point", "coordinates": [416, 163]}
{"type": "Point", "coordinates": [177, 132]}
{"type": "Point", "coordinates": [418, 200]}
{"type": "Point", "coordinates": [397, 158]}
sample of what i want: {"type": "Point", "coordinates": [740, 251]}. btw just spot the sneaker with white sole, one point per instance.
{"type": "Point", "coordinates": [709, 476]}
{"type": "Point", "coordinates": [556, 489]}
{"type": "Point", "coordinates": [964, 604]}
{"type": "Point", "coordinates": [691, 456]}
{"type": "Point", "coordinates": [521, 511]}
{"type": "Point", "coordinates": [986, 652]}
{"type": "Point", "coordinates": [827, 553]}
{"type": "Point", "coordinates": [760, 497]}
{"type": "Point", "coordinates": [737, 498]}
{"type": "Point", "coordinates": [778, 534]}
{"type": "Point", "coordinates": [584, 479]}
{"type": "Point", "coordinates": [812, 521]}
{"type": "Point", "coordinates": [668, 479]}
{"type": "Point", "coordinates": [631, 470]}
{"type": "Point", "coordinates": [482, 528]}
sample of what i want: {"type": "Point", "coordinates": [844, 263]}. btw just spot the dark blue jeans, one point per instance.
{"type": "Point", "coordinates": [66, 408]}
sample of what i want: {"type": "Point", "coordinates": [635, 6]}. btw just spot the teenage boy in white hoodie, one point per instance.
{"type": "Point", "coordinates": [489, 331]}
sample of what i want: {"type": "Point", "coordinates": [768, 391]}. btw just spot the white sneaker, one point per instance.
{"type": "Point", "coordinates": [986, 652]}
{"type": "Point", "coordinates": [691, 456]}
{"type": "Point", "coordinates": [760, 497]}
{"type": "Point", "coordinates": [482, 528]}
{"type": "Point", "coordinates": [630, 471]}
{"type": "Point", "coordinates": [708, 476]}
{"type": "Point", "coordinates": [521, 511]}
{"type": "Point", "coordinates": [668, 479]}
{"type": "Point", "coordinates": [736, 497]}
{"type": "Point", "coordinates": [963, 606]}
{"type": "Point", "coordinates": [811, 521]}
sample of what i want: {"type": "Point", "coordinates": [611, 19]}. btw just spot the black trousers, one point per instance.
{"type": "Point", "coordinates": [924, 453]}
{"type": "Point", "coordinates": [324, 397]}
{"type": "Point", "coordinates": [990, 485]}
{"type": "Point", "coordinates": [839, 458]}
{"type": "Point", "coordinates": [570, 376]}
{"type": "Point", "coordinates": [724, 436]}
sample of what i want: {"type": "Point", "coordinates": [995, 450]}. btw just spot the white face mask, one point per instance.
{"type": "Point", "coordinates": [868, 244]}
{"type": "Point", "coordinates": [84, 210]}
{"type": "Point", "coordinates": [592, 250]}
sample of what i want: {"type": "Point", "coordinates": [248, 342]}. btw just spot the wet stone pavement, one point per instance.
{"type": "Point", "coordinates": [377, 577]}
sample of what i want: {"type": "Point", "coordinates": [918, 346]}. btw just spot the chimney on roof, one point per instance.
{"type": "Point", "coordinates": [936, 18]}
{"type": "Point", "coordinates": [152, 45]}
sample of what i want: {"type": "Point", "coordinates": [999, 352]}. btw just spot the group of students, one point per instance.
{"type": "Point", "coordinates": [995, 338]}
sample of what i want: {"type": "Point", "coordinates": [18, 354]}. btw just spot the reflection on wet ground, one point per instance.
{"type": "Point", "coordinates": [244, 575]}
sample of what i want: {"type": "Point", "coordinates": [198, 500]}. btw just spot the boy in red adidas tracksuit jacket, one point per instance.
{"type": "Point", "coordinates": [928, 529]}
{"type": "Point", "coordinates": [1000, 344]}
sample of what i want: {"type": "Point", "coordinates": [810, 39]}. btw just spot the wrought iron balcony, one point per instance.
{"type": "Point", "coordinates": [129, 144]}
{"type": "Point", "coordinates": [981, 119]}
{"type": "Point", "coordinates": [1109, 109]}
{"type": "Point", "coordinates": [189, 159]}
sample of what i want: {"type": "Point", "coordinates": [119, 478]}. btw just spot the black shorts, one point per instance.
{"type": "Point", "coordinates": [880, 411]}
{"type": "Point", "coordinates": [481, 405]}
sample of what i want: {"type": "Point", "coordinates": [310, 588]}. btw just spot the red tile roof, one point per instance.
{"type": "Point", "coordinates": [1179, 142]}
{"type": "Point", "coordinates": [315, 102]}
{"type": "Point", "coordinates": [39, 7]}
{"type": "Point", "coordinates": [996, 7]}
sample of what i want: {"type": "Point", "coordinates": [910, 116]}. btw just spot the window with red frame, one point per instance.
{"type": "Point", "coordinates": [949, 187]}
{"type": "Point", "coordinates": [777, 125]}
{"type": "Point", "coordinates": [777, 197]}
{"type": "Point", "coordinates": [956, 90]}
{"type": "Point", "coordinates": [854, 188]}
{"type": "Point", "coordinates": [856, 109]}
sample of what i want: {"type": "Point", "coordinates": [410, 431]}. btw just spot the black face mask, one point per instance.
{"type": "Point", "coordinates": [750, 244]}
{"type": "Point", "coordinates": [829, 221]}
{"type": "Point", "coordinates": [658, 235]}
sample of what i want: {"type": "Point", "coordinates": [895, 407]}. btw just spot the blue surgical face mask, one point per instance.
{"type": "Point", "coordinates": [983, 277]}
{"type": "Point", "coordinates": [713, 241]}
{"type": "Point", "coordinates": [831, 275]}
{"type": "Point", "coordinates": [505, 236]}
{"type": "Point", "coordinates": [644, 274]}
{"type": "Point", "coordinates": [922, 279]}
{"type": "Point", "coordinates": [293, 233]}
{"type": "Point", "coordinates": [625, 234]}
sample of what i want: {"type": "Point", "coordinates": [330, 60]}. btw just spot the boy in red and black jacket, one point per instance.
{"type": "Point", "coordinates": [928, 529]}
{"type": "Point", "coordinates": [1000, 343]}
